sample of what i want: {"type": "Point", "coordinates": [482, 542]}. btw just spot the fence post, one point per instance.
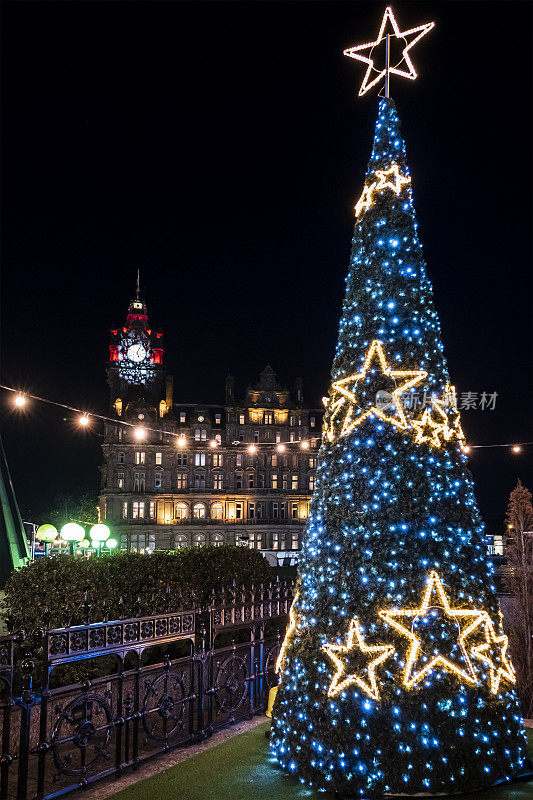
{"type": "Point", "coordinates": [25, 701]}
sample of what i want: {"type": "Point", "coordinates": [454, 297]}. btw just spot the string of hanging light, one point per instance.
{"type": "Point", "coordinates": [140, 431]}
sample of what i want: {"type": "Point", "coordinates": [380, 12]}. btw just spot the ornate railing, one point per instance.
{"type": "Point", "coordinates": [166, 680]}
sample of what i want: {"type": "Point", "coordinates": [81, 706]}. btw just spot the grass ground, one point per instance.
{"type": "Point", "coordinates": [239, 769]}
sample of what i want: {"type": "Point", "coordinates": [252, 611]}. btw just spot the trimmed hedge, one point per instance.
{"type": "Point", "coordinates": [67, 590]}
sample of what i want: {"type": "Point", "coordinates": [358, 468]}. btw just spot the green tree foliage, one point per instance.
{"type": "Point", "coordinates": [72, 508]}
{"type": "Point", "coordinates": [518, 579]}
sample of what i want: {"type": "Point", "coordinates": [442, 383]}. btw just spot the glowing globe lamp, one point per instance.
{"type": "Point", "coordinates": [111, 544]}
{"type": "Point", "coordinates": [99, 533]}
{"type": "Point", "coordinates": [84, 544]}
{"type": "Point", "coordinates": [46, 533]}
{"type": "Point", "coordinates": [72, 532]}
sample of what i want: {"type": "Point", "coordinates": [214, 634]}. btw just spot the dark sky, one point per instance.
{"type": "Point", "coordinates": [220, 147]}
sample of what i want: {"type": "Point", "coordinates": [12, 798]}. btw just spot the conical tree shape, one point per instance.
{"type": "Point", "coordinates": [13, 543]}
{"type": "Point", "coordinates": [395, 674]}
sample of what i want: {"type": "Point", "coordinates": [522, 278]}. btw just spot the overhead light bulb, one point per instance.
{"type": "Point", "coordinates": [304, 445]}
{"type": "Point", "coordinates": [181, 441]}
{"type": "Point", "coordinates": [517, 448]}
{"type": "Point", "coordinates": [140, 432]}
{"type": "Point", "coordinates": [213, 443]}
{"type": "Point", "coordinates": [20, 400]}
{"type": "Point", "coordinates": [252, 448]}
{"type": "Point", "coordinates": [84, 420]}
{"type": "Point", "coordinates": [280, 448]}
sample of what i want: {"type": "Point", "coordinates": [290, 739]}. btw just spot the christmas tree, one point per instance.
{"type": "Point", "coordinates": [395, 675]}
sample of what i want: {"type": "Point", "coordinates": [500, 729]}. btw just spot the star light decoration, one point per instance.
{"type": "Point", "coordinates": [494, 653]}
{"type": "Point", "coordinates": [410, 73]}
{"type": "Point", "coordinates": [344, 397]}
{"type": "Point", "coordinates": [466, 619]}
{"type": "Point", "coordinates": [384, 182]}
{"type": "Point", "coordinates": [288, 633]}
{"type": "Point", "coordinates": [377, 655]}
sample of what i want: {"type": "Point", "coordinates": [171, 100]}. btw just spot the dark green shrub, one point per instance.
{"type": "Point", "coordinates": [55, 592]}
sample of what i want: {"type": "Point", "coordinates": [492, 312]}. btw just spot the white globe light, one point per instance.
{"type": "Point", "coordinates": [99, 533]}
{"type": "Point", "coordinates": [46, 533]}
{"type": "Point", "coordinates": [72, 532]}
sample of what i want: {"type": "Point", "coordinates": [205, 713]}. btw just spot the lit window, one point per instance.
{"type": "Point", "coordinates": [294, 510]}
{"type": "Point", "coordinates": [278, 436]}
{"type": "Point", "coordinates": [120, 434]}
{"type": "Point", "coordinates": [295, 542]}
{"type": "Point", "coordinates": [217, 512]}
{"type": "Point", "coordinates": [218, 438]}
{"type": "Point", "coordinates": [158, 459]}
{"type": "Point", "coordinates": [151, 512]}
{"type": "Point", "coordinates": [312, 462]}
{"type": "Point", "coordinates": [120, 480]}
{"type": "Point", "coordinates": [291, 419]}
{"type": "Point", "coordinates": [275, 541]}
{"type": "Point", "coordinates": [180, 541]}
{"type": "Point", "coordinates": [238, 461]}
{"type": "Point", "coordinates": [285, 480]}
{"type": "Point", "coordinates": [238, 480]}
{"type": "Point", "coordinates": [254, 542]}
{"type": "Point", "coordinates": [158, 480]}
{"type": "Point", "coordinates": [125, 510]}
{"type": "Point", "coordinates": [198, 511]}
{"type": "Point", "coordinates": [199, 540]}
{"type": "Point", "coordinates": [199, 480]}
{"type": "Point", "coordinates": [218, 480]}
{"type": "Point", "coordinates": [299, 420]}
{"type": "Point", "coordinates": [181, 480]}
{"type": "Point", "coordinates": [183, 417]}
{"type": "Point", "coordinates": [275, 460]}
{"type": "Point", "coordinates": [238, 510]}
{"type": "Point", "coordinates": [121, 458]}
{"type": "Point", "coordinates": [217, 540]}
{"type": "Point", "coordinates": [274, 480]}
{"type": "Point", "coordinates": [181, 510]}
{"type": "Point", "coordinates": [312, 422]}
{"type": "Point", "coordinates": [138, 509]}
{"type": "Point", "coordinates": [311, 483]}
{"type": "Point", "coordinates": [218, 419]}
{"type": "Point", "coordinates": [292, 436]}
{"type": "Point", "coordinates": [241, 419]}
{"type": "Point", "coordinates": [203, 434]}
{"type": "Point", "coordinates": [140, 457]}
{"type": "Point", "coordinates": [294, 483]}
{"type": "Point", "coordinates": [197, 434]}
{"type": "Point", "coordinates": [218, 459]}
{"type": "Point", "coordinates": [139, 481]}
{"type": "Point", "coordinates": [199, 459]}
{"type": "Point", "coordinates": [268, 418]}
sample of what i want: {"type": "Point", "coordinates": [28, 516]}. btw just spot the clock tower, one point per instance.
{"type": "Point", "coordinates": [135, 371]}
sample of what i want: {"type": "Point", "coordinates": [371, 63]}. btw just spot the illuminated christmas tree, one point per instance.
{"type": "Point", "coordinates": [395, 675]}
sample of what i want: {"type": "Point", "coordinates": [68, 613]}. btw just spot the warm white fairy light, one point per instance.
{"type": "Point", "coordinates": [20, 400]}
{"type": "Point", "coordinates": [410, 72]}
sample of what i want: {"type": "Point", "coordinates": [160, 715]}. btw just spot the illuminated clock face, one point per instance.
{"type": "Point", "coordinates": [136, 353]}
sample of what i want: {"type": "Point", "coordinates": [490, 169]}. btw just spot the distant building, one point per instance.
{"type": "Point", "coordinates": [180, 475]}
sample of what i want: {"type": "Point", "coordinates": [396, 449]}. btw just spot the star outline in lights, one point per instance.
{"type": "Point", "coordinates": [382, 653]}
{"type": "Point", "coordinates": [366, 199]}
{"type": "Point", "coordinates": [475, 617]}
{"type": "Point", "coordinates": [425, 422]}
{"type": "Point", "coordinates": [410, 73]}
{"type": "Point", "coordinates": [339, 387]}
{"type": "Point", "coordinates": [496, 673]}
{"type": "Point", "coordinates": [439, 429]}
{"type": "Point", "coordinates": [293, 623]}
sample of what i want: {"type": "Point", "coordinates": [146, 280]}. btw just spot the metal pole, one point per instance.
{"type": "Point", "coordinates": [387, 63]}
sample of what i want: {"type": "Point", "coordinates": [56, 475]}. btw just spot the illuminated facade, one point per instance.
{"type": "Point", "coordinates": [177, 475]}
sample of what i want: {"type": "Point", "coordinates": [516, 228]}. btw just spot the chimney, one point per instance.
{"type": "Point", "coordinates": [169, 391]}
{"type": "Point", "coordinates": [230, 390]}
{"type": "Point", "coordinates": [298, 385]}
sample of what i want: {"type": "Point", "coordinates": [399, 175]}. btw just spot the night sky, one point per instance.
{"type": "Point", "coordinates": [220, 147]}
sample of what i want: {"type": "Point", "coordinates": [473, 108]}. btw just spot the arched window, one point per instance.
{"type": "Point", "coordinates": [181, 510]}
{"type": "Point", "coordinates": [199, 540]}
{"type": "Point", "coordinates": [118, 406]}
{"type": "Point", "coordinates": [198, 511]}
{"type": "Point", "coordinates": [217, 540]}
{"type": "Point", "coordinates": [197, 434]}
{"type": "Point", "coordinates": [180, 541]}
{"type": "Point", "coordinates": [217, 511]}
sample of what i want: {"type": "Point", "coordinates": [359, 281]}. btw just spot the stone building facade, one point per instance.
{"type": "Point", "coordinates": [177, 475]}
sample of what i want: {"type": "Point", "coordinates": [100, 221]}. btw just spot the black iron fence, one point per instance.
{"type": "Point", "coordinates": [159, 682]}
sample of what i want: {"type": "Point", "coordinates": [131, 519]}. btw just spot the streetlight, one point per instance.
{"type": "Point", "coordinates": [72, 532]}
{"type": "Point", "coordinates": [46, 533]}
{"type": "Point", "coordinates": [99, 534]}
